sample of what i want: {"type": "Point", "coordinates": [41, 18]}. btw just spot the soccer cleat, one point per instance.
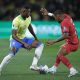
{"type": "Point", "coordinates": [34, 67]}
{"type": "Point", "coordinates": [73, 72]}
{"type": "Point", "coordinates": [52, 70]}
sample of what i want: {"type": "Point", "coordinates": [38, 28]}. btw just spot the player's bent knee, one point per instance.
{"type": "Point", "coordinates": [38, 44]}
{"type": "Point", "coordinates": [62, 51]}
{"type": "Point", "coordinates": [41, 44]}
{"type": "Point", "coordinates": [35, 43]}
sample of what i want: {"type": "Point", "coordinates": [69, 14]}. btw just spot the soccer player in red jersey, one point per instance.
{"type": "Point", "coordinates": [69, 35]}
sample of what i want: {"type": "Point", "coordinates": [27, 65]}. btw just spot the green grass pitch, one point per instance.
{"type": "Point", "coordinates": [18, 68]}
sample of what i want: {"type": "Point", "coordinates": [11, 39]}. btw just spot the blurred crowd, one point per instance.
{"type": "Point", "coordinates": [10, 8]}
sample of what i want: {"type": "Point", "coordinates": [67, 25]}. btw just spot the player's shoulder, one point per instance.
{"type": "Point", "coordinates": [66, 21]}
{"type": "Point", "coordinates": [16, 18]}
{"type": "Point", "coordinates": [67, 18]}
{"type": "Point", "coordinates": [29, 17]}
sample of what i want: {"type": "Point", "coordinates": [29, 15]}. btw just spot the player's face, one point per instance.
{"type": "Point", "coordinates": [25, 12]}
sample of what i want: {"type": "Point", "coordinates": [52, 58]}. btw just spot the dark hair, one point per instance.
{"type": "Point", "coordinates": [26, 6]}
{"type": "Point", "coordinates": [58, 12]}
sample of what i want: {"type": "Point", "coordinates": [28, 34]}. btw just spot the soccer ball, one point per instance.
{"type": "Point", "coordinates": [43, 69]}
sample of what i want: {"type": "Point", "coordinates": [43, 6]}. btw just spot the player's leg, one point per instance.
{"type": "Point", "coordinates": [38, 51]}
{"type": "Point", "coordinates": [14, 46]}
{"type": "Point", "coordinates": [53, 69]}
{"type": "Point", "coordinates": [57, 61]}
{"type": "Point", "coordinates": [67, 63]}
{"type": "Point", "coordinates": [61, 57]}
{"type": "Point", "coordinates": [37, 55]}
{"type": "Point", "coordinates": [6, 59]}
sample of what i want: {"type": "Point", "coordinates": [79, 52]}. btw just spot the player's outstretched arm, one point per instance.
{"type": "Point", "coordinates": [46, 13]}
{"type": "Point", "coordinates": [64, 36]}
{"type": "Point", "coordinates": [32, 32]}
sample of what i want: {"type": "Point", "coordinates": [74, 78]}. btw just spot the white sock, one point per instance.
{"type": "Point", "coordinates": [6, 60]}
{"type": "Point", "coordinates": [38, 53]}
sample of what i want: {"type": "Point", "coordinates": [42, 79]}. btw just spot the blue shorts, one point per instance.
{"type": "Point", "coordinates": [18, 45]}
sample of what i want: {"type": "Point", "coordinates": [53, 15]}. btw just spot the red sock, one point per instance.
{"type": "Point", "coordinates": [57, 62]}
{"type": "Point", "coordinates": [65, 61]}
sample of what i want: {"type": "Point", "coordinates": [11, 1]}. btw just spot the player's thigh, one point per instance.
{"type": "Point", "coordinates": [31, 41]}
{"type": "Point", "coordinates": [64, 49]}
{"type": "Point", "coordinates": [68, 48]}
{"type": "Point", "coordinates": [15, 45]}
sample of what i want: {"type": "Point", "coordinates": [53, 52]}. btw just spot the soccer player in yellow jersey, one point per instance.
{"type": "Point", "coordinates": [19, 40]}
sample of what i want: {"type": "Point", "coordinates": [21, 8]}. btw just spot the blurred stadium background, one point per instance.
{"type": "Point", "coordinates": [8, 8]}
{"type": "Point", "coordinates": [45, 28]}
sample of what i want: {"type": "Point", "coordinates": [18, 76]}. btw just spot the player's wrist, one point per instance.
{"type": "Point", "coordinates": [50, 14]}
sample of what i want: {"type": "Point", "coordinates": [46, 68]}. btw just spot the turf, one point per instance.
{"type": "Point", "coordinates": [18, 68]}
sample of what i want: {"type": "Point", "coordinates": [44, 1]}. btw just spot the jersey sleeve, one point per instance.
{"type": "Point", "coordinates": [65, 27]}
{"type": "Point", "coordinates": [15, 24]}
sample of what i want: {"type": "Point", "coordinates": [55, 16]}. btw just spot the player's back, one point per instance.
{"type": "Point", "coordinates": [69, 26]}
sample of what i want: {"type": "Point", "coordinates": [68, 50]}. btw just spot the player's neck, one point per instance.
{"type": "Point", "coordinates": [24, 18]}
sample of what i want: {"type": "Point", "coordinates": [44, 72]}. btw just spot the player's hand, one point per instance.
{"type": "Point", "coordinates": [29, 47]}
{"type": "Point", "coordinates": [44, 11]}
{"type": "Point", "coordinates": [50, 42]}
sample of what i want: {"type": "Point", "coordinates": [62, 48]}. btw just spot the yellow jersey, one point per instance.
{"type": "Point", "coordinates": [21, 26]}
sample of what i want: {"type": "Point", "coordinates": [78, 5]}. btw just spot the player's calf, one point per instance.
{"type": "Point", "coordinates": [38, 53]}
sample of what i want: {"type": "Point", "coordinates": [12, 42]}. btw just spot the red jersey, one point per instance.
{"type": "Point", "coordinates": [67, 26]}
